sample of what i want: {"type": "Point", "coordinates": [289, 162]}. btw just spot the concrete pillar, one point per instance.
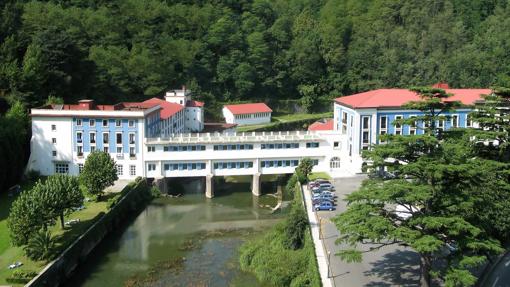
{"type": "Point", "coordinates": [209, 186]}
{"type": "Point", "coordinates": [161, 184]}
{"type": "Point", "coordinates": [255, 184]}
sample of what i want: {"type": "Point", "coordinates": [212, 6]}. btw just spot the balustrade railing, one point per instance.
{"type": "Point", "coordinates": [236, 137]}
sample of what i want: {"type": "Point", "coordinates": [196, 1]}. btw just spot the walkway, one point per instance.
{"type": "Point", "coordinates": [319, 249]}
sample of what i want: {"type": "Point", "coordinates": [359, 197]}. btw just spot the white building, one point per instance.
{"type": "Point", "coordinates": [193, 110]}
{"type": "Point", "coordinates": [247, 114]}
{"type": "Point", "coordinates": [147, 139]}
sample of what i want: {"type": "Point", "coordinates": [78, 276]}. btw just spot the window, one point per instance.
{"type": "Point", "coordinates": [105, 123]}
{"type": "Point", "coordinates": [132, 170]}
{"type": "Point", "coordinates": [151, 148]}
{"type": "Point", "coordinates": [105, 149]}
{"type": "Point", "coordinates": [131, 138]}
{"type": "Point", "coordinates": [412, 126]}
{"type": "Point", "coordinates": [78, 122]}
{"type": "Point", "coordinates": [54, 153]}
{"type": "Point", "coordinates": [80, 167]}
{"type": "Point", "coordinates": [312, 145]}
{"type": "Point", "coordinates": [106, 138]}
{"type": "Point", "coordinates": [365, 132]}
{"type": "Point", "coordinates": [54, 141]}
{"type": "Point", "coordinates": [440, 124]}
{"type": "Point", "coordinates": [151, 166]}
{"type": "Point", "coordinates": [344, 122]}
{"type": "Point", "coordinates": [92, 148]}
{"type": "Point", "coordinates": [334, 162]}
{"type": "Point", "coordinates": [92, 138]}
{"type": "Point", "coordinates": [119, 138]}
{"type": "Point", "coordinates": [383, 127]}
{"type": "Point", "coordinates": [118, 123]}
{"type": "Point", "coordinates": [79, 137]}
{"type": "Point", "coordinates": [92, 122]}
{"type": "Point", "coordinates": [53, 128]}
{"type": "Point", "coordinates": [120, 154]}
{"type": "Point", "coordinates": [131, 123]}
{"type": "Point", "coordinates": [61, 167]}
{"type": "Point", "coordinates": [336, 145]}
{"type": "Point", "coordinates": [120, 169]}
{"type": "Point", "coordinates": [132, 153]}
{"type": "Point", "coordinates": [79, 150]}
{"type": "Point", "coordinates": [455, 121]}
{"type": "Point", "coordinates": [398, 126]}
{"type": "Point", "coordinates": [469, 121]}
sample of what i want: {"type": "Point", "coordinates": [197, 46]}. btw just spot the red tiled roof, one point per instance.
{"type": "Point", "coordinates": [167, 109]}
{"type": "Point", "coordinates": [322, 126]}
{"type": "Point", "coordinates": [382, 98]}
{"type": "Point", "coordinates": [116, 107]}
{"type": "Point", "coordinates": [192, 103]}
{"type": "Point", "coordinates": [248, 108]}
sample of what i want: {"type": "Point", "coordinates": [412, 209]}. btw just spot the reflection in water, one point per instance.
{"type": "Point", "coordinates": [188, 232]}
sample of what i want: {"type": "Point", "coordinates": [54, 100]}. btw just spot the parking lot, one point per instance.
{"type": "Point", "coordinates": [389, 266]}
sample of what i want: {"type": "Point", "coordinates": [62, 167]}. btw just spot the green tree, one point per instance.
{"type": "Point", "coordinates": [26, 217]}
{"type": "Point", "coordinates": [98, 173]}
{"type": "Point", "coordinates": [305, 167]}
{"type": "Point", "coordinates": [427, 205]}
{"type": "Point", "coordinates": [40, 246]}
{"type": "Point", "coordinates": [295, 227]}
{"type": "Point", "coordinates": [64, 195]}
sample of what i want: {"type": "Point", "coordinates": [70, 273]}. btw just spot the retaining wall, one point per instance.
{"type": "Point", "coordinates": [57, 271]}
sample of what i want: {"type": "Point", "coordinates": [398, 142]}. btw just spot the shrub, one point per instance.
{"type": "Point", "coordinates": [295, 227]}
{"type": "Point", "coordinates": [40, 246]}
{"type": "Point", "coordinates": [21, 277]}
{"type": "Point", "coordinates": [155, 192]}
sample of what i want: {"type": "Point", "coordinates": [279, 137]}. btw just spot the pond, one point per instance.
{"type": "Point", "coordinates": [185, 241]}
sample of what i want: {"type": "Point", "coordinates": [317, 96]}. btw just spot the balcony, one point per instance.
{"type": "Point", "coordinates": [236, 137]}
{"type": "Point", "coordinates": [132, 156]}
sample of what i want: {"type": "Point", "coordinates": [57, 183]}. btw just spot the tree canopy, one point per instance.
{"type": "Point", "coordinates": [98, 173]}
{"type": "Point", "coordinates": [244, 50]}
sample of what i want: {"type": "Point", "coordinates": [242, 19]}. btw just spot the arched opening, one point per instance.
{"type": "Point", "coordinates": [334, 162]}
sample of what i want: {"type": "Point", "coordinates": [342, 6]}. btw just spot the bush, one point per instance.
{"type": "Point", "coordinates": [290, 186]}
{"type": "Point", "coordinates": [21, 277]}
{"type": "Point", "coordinates": [295, 227]}
{"type": "Point", "coordinates": [155, 192]}
{"type": "Point", "coordinates": [40, 246]}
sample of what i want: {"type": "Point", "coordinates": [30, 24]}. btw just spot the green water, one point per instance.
{"type": "Point", "coordinates": [187, 241]}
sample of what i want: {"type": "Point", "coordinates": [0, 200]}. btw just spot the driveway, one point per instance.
{"type": "Point", "coordinates": [389, 266]}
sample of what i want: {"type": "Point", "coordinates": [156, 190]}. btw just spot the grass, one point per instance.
{"type": "Point", "coordinates": [63, 237]}
{"type": "Point", "coordinates": [317, 175]}
{"type": "Point", "coordinates": [285, 118]}
{"type": "Point", "coordinates": [298, 117]}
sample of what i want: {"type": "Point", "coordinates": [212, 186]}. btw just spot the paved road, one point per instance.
{"type": "Point", "coordinates": [390, 266]}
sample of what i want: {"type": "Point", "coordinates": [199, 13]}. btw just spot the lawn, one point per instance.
{"type": "Point", "coordinates": [285, 118]}
{"type": "Point", "coordinates": [10, 254]}
{"type": "Point", "coordinates": [316, 175]}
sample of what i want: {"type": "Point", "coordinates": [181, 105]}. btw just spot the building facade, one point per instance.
{"type": "Point", "coordinates": [247, 114]}
{"type": "Point", "coordinates": [152, 138]}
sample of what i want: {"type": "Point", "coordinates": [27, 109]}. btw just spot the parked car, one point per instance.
{"type": "Point", "coordinates": [325, 205]}
{"type": "Point", "coordinates": [316, 190]}
{"type": "Point", "coordinates": [319, 200]}
{"type": "Point", "coordinates": [324, 196]}
{"type": "Point", "coordinates": [328, 193]}
{"type": "Point", "coordinates": [313, 184]}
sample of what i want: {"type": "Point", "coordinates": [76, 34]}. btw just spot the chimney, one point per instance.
{"type": "Point", "coordinates": [441, 85]}
{"type": "Point", "coordinates": [87, 104]}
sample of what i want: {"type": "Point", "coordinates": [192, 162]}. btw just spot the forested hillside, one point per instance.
{"type": "Point", "coordinates": [238, 50]}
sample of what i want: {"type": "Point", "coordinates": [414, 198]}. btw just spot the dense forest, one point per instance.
{"type": "Point", "coordinates": [240, 50]}
{"type": "Point", "coordinates": [230, 50]}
